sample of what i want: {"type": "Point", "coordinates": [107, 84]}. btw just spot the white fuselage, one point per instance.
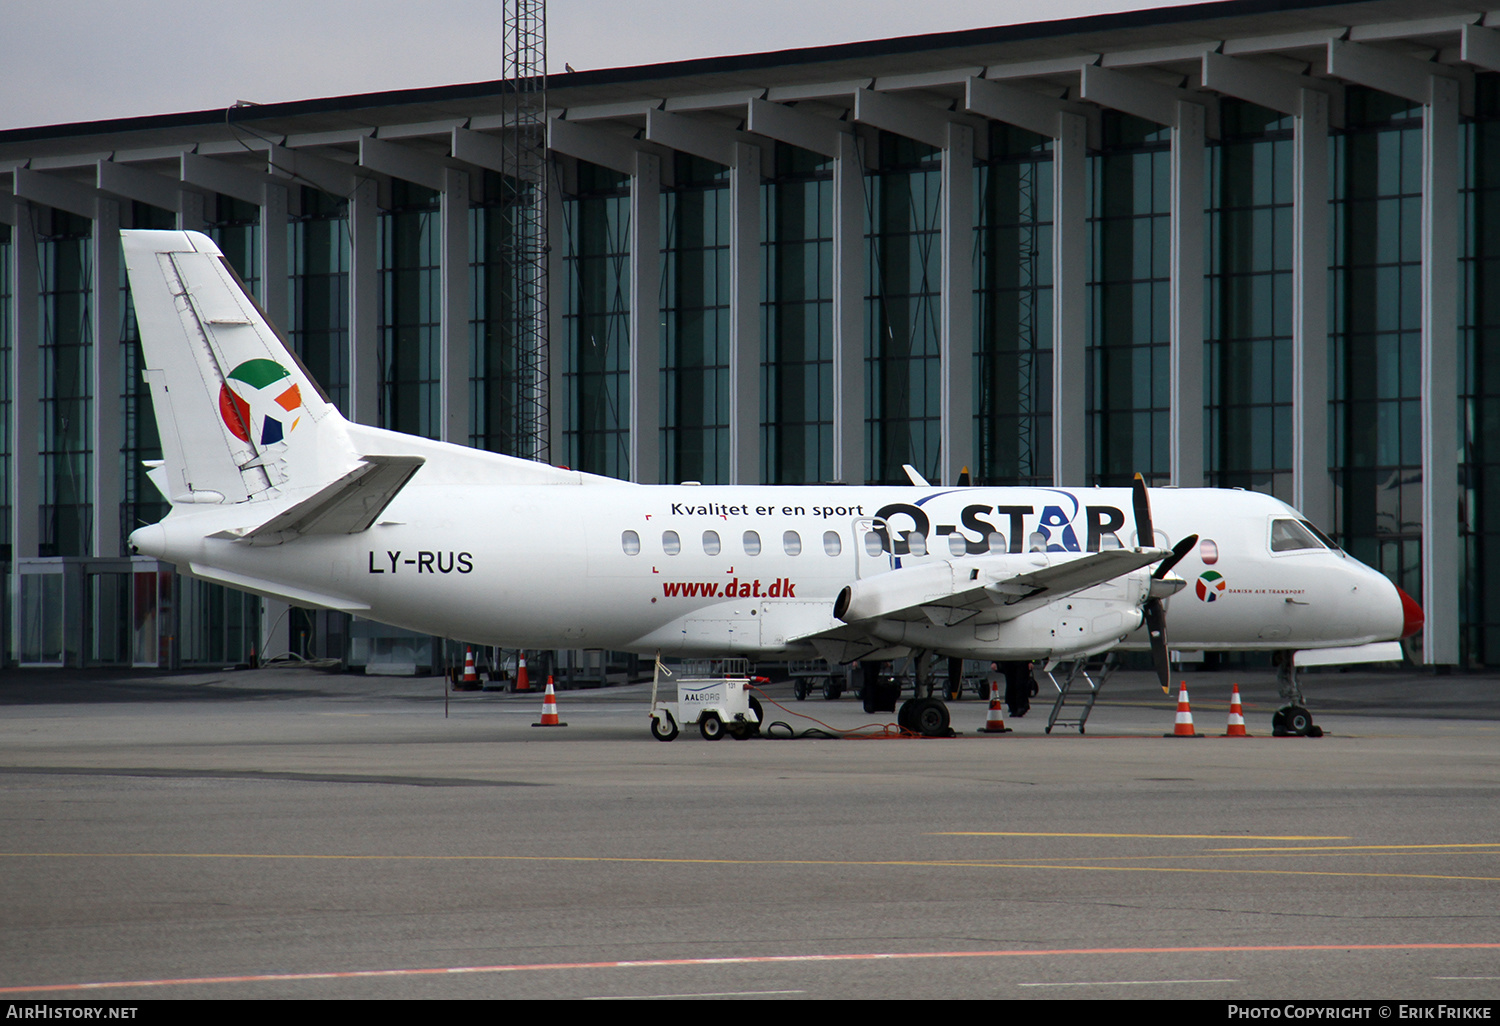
{"type": "Point", "coordinates": [692, 570]}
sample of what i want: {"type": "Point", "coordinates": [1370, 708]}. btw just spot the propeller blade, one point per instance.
{"type": "Point", "coordinates": [1156, 628]}
{"type": "Point", "coordinates": [1145, 535]}
{"type": "Point", "coordinates": [1179, 550]}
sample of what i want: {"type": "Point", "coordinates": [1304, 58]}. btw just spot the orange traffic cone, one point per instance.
{"type": "Point", "coordinates": [994, 720]}
{"type": "Point", "coordinates": [470, 680]}
{"type": "Point", "coordinates": [1184, 726]}
{"type": "Point", "coordinates": [549, 708]}
{"type": "Point", "coordinates": [1236, 716]}
{"type": "Point", "coordinates": [523, 682]}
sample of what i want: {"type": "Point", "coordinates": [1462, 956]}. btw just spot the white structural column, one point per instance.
{"type": "Point", "coordinates": [1068, 126]}
{"type": "Point", "coordinates": [956, 389]}
{"type": "Point", "coordinates": [1069, 301]}
{"type": "Point", "coordinates": [1186, 417]}
{"type": "Point", "coordinates": [850, 441]}
{"type": "Point", "coordinates": [938, 129]}
{"type": "Point", "coordinates": [1312, 487]}
{"type": "Point", "coordinates": [364, 310]}
{"type": "Point", "coordinates": [1168, 106]}
{"type": "Point", "coordinates": [557, 305]}
{"type": "Point", "coordinates": [645, 319]}
{"type": "Point", "coordinates": [830, 138]}
{"type": "Point", "coordinates": [456, 356]}
{"type": "Point", "coordinates": [1439, 95]}
{"type": "Point", "coordinates": [1312, 490]}
{"type": "Point", "coordinates": [737, 151]}
{"type": "Point", "coordinates": [25, 385]}
{"type": "Point", "coordinates": [104, 441]}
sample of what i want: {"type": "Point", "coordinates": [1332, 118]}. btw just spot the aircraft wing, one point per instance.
{"type": "Point", "coordinates": [348, 505]}
{"type": "Point", "coordinates": [950, 592]}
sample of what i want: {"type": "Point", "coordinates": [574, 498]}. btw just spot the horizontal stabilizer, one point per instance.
{"type": "Point", "coordinates": [277, 589]}
{"type": "Point", "coordinates": [348, 505]}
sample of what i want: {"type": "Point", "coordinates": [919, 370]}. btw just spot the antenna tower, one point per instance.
{"type": "Point", "coordinates": [524, 104]}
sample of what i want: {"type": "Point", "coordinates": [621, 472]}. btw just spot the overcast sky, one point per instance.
{"type": "Point", "coordinates": [85, 60]}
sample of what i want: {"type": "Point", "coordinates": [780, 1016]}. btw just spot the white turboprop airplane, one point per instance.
{"type": "Point", "coordinates": [273, 492]}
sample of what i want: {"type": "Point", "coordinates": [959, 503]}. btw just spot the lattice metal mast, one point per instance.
{"type": "Point", "coordinates": [524, 97]}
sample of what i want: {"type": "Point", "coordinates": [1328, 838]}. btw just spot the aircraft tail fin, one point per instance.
{"type": "Point", "coordinates": [239, 416]}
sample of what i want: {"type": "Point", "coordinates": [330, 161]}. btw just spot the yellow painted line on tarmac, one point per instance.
{"type": "Point", "coordinates": [658, 963]}
{"type": "Point", "coordinates": [1166, 837]}
{"type": "Point", "coordinates": [893, 863]}
{"type": "Point", "coordinates": [1367, 847]}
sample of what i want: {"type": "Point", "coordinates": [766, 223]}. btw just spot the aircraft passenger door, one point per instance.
{"type": "Point", "coordinates": [870, 555]}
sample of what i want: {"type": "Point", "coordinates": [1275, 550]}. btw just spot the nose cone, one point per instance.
{"type": "Point", "coordinates": [1411, 614]}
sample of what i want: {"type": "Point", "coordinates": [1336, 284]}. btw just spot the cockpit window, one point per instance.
{"type": "Point", "coordinates": [1320, 535]}
{"type": "Point", "coordinates": [1291, 535]}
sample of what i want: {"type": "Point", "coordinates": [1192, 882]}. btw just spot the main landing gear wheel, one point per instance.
{"type": "Point", "coordinates": [711, 727]}
{"type": "Point", "coordinates": [925, 716]}
{"type": "Point", "coordinates": [831, 690]}
{"type": "Point", "coordinates": [1294, 721]}
{"type": "Point", "coordinates": [663, 727]}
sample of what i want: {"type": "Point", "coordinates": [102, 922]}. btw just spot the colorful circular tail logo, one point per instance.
{"type": "Point", "coordinates": [1211, 585]}
{"type": "Point", "coordinates": [260, 401]}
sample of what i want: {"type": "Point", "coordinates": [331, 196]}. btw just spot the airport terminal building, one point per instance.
{"type": "Point", "coordinates": [1241, 244]}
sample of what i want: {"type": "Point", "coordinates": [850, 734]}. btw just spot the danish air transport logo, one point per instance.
{"type": "Point", "coordinates": [1211, 585]}
{"type": "Point", "coordinates": [260, 401]}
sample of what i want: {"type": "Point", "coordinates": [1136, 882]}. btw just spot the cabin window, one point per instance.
{"type": "Point", "coordinates": [832, 543]}
{"type": "Point", "coordinates": [752, 543]}
{"type": "Point", "coordinates": [1208, 551]}
{"type": "Point", "coordinates": [916, 543]}
{"type": "Point", "coordinates": [997, 543]}
{"type": "Point", "coordinates": [1037, 542]}
{"type": "Point", "coordinates": [1290, 535]}
{"type": "Point", "coordinates": [958, 545]}
{"type": "Point", "coordinates": [711, 543]}
{"type": "Point", "coordinates": [872, 543]}
{"type": "Point", "coordinates": [670, 543]}
{"type": "Point", "coordinates": [792, 542]}
{"type": "Point", "coordinates": [1110, 541]}
{"type": "Point", "coordinates": [631, 543]}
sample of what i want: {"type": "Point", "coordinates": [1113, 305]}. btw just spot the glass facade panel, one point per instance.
{"type": "Point", "coordinates": [409, 240]}
{"type": "Point", "coordinates": [1249, 302]}
{"type": "Point", "coordinates": [1376, 309]}
{"type": "Point", "coordinates": [1479, 370]}
{"type": "Point", "coordinates": [695, 227]}
{"type": "Point", "coordinates": [1128, 341]}
{"type": "Point", "coordinates": [1013, 310]}
{"type": "Point", "coordinates": [797, 320]}
{"type": "Point", "coordinates": [317, 321]}
{"type": "Point", "coordinates": [595, 401]}
{"type": "Point", "coordinates": [494, 379]}
{"type": "Point", "coordinates": [903, 309]}
{"type": "Point", "coordinates": [65, 261]}
{"type": "Point", "coordinates": [7, 483]}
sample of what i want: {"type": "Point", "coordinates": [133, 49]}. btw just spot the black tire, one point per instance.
{"type": "Point", "coordinates": [710, 726]}
{"type": "Point", "coordinates": [831, 690]}
{"type": "Point", "coordinates": [663, 728]}
{"type": "Point", "coordinates": [751, 730]}
{"type": "Point", "coordinates": [903, 716]}
{"type": "Point", "coordinates": [1298, 720]}
{"type": "Point", "coordinates": [928, 717]}
{"type": "Point", "coordinates": [799, 689]}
